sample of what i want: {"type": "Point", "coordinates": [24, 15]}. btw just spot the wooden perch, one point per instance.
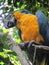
{"type": "Point", "coordinates": [17, 49]}
{"type": "Point", "coordinates": [46, 48]}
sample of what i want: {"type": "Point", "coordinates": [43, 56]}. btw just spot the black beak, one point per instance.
{"type": "Point", "coordinates": [10, 24]}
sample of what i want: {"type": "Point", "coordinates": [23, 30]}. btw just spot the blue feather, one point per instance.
{"type": "Point", "coordinates": [43, 26]}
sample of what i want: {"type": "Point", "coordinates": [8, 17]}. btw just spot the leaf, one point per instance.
{"type": "Point", "coordinates": [5, 30]}
{"type": "Point", "coordinates": [2, 54]}
{"type": "Point", "coordinates": [4, 37]}
{"type": "Point", "coordinates": [1, 30]}
{"type": "Point", "coordinates": [23, 6]}
{"type": "Point", "coordinates": [9, 2]}
{"type": "Point", "coordinates": [1, 63]}
{"type": "Point", "coordinates": [6, 8]}
{"type": "Point", "coordinates": [6, 50]}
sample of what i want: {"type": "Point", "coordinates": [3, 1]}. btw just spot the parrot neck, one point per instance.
{"type": "Point", "coordinates": [18, 16]}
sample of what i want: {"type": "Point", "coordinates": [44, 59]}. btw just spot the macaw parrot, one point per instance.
{"type": "Point", "coordinates": [30, 26]}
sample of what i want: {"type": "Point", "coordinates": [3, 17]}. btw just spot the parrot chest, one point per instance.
{"type": "Point", "coordinates": [29, 28]}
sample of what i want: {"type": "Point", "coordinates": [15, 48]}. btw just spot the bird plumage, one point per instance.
{"type": "Point", "coordinates": [29, 27]}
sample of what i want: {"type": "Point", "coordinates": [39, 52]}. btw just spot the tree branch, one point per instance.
{"type": "Point", "coordinates": [17, 49]}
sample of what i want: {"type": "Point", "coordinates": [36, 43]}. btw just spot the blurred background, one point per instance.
{"type": "Point", "coordinates": [7, 7]}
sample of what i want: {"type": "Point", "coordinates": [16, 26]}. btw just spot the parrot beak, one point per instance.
{"type": "Point", "coordinates": [9, 21]}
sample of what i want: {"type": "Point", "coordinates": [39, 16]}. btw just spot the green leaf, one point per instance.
{"type": "Point", "coordinates": [23, 6]}
{"type": "Point", "coordinates": [4, 37]}
{"type": "Point", "coordinates": [18, 3]}
{"type": "Point", "coordinates": [1, 30]}
{"type": "Point", "coordinates": [6, 8]}
{"type": "Point", "coordinates": [6, 50]}
{"type": "Point", "coordinates": [9, 2]}
{"type": "Point", "coordinates": [2, 54]}
{"type": "Point", "coordinates": [1, 63]}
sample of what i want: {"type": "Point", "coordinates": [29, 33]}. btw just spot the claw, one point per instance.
{"type": "Point", "coordinates": [32, 42]}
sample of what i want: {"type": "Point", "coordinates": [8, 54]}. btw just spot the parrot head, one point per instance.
{"type": "Point", "coordinates": [9, 21]}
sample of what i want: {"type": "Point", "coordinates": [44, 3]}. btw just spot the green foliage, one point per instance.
{"type": "Point", "coordinates": [4, 37]}
{"type": "Point", "coordinates": [7, 56]}
{"type": "Point", "coordinates": [32, 5]}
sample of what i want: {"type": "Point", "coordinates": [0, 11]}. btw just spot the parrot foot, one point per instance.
{"type": "Point", "coordinates": [32, 42]}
